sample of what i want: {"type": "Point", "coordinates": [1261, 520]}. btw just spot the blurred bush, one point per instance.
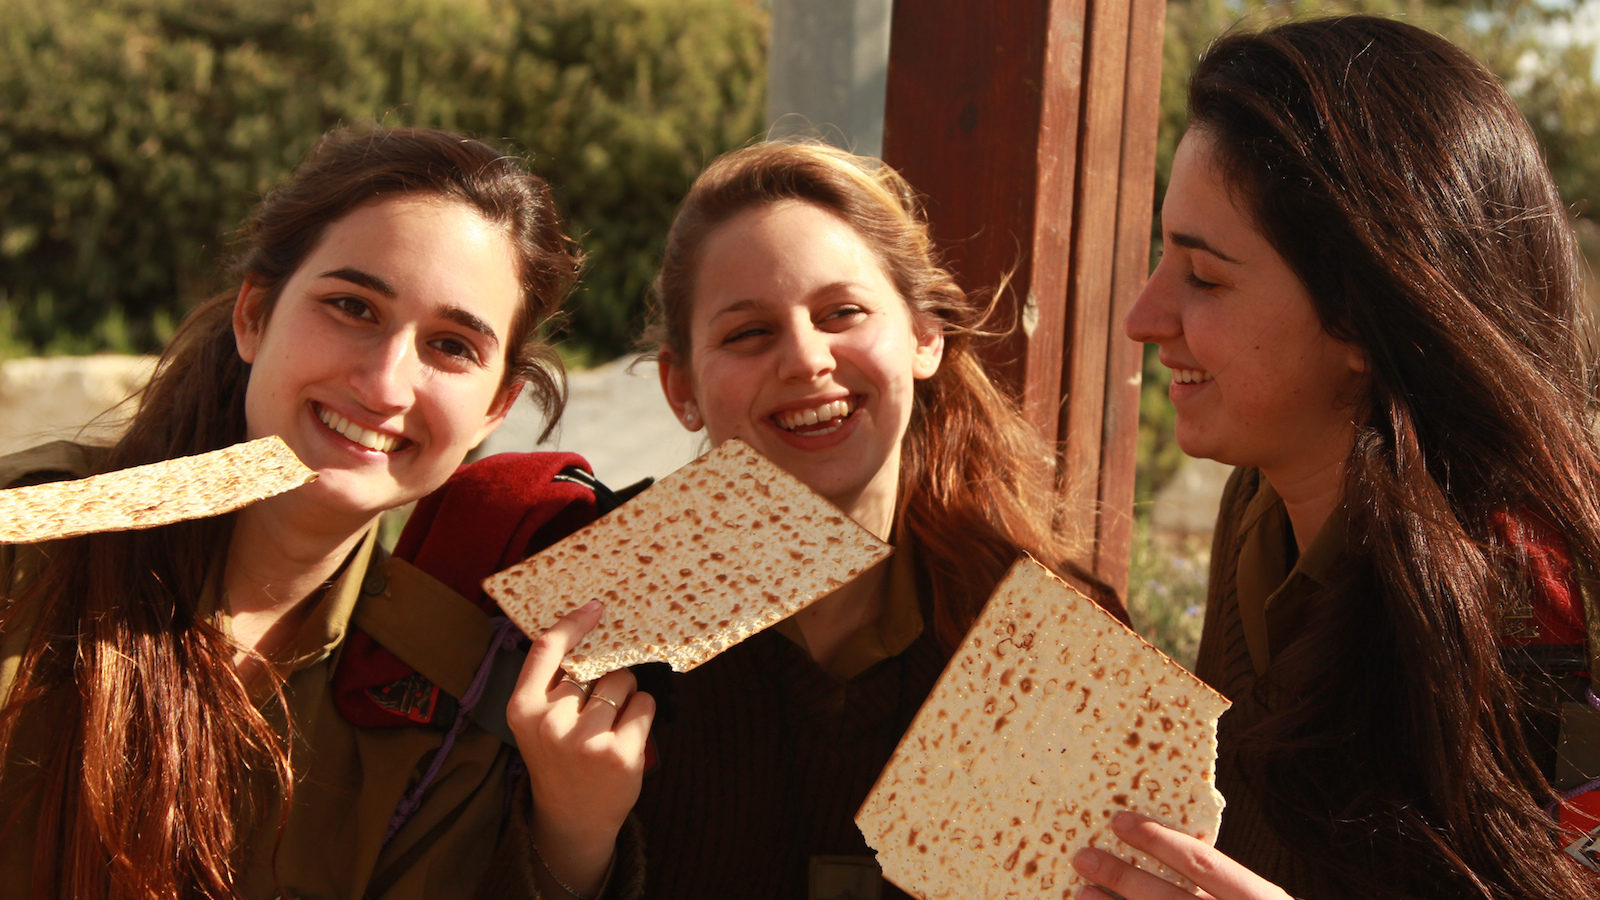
{"type": "Point", "coordinates": [135, 135]}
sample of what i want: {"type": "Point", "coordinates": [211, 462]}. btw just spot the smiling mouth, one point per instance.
{"type": "Point", "coordinates": [1190, 376]}
{"type": "Point", "coordinates": [371, 440]}
{"type": "Point", "coordinates": [817, 420]}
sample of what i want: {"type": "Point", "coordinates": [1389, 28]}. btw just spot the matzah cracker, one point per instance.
{"type": "Point", "coordinates": [173, 490]}
{"type": "Point", "coordinates": [1051, 717]}
{"type": "Point", "coordinates": [709, 555]}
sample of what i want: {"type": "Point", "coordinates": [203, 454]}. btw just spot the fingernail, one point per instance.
{"type": "Point", "coordinates": [1125, 821]}
{"type": "Point", "coordinates": [1086, 861]}
{"type": "Point", "coordinates": [591, 606]}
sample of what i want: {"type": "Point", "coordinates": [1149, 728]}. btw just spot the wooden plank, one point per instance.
{"type": "Point", "coordinates": [1030, 127]}
{"type": "Point", "coordinates": [1093, 257]}
{"type": "Point", "coordinates": [1135, 205]}
{"type": "Point", "coordinates": [981, 117]}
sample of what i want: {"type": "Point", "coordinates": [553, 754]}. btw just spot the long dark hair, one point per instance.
{"type": "Point", "coordinates": [1397, 178]}
{"type": "Point", "coordinates": [974, 477]}
{"type": "Point", "coordinates": [151, 742]}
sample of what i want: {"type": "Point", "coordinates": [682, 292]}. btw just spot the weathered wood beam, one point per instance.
{"type": "Point", "coordinates": [1030, 127]}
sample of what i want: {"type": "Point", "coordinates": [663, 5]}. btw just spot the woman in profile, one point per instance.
{"type": "Point", "coordinates": [168, 727]}
{"type": "Point", "coordinates": [1370, 303]}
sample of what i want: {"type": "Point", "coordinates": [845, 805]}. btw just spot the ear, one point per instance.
{"type": "Point", "coordinates": [678, 386]}
{"type": "Point", "coordinates": [1356, 359]}
{"type": "Point", "coordinates": [498, 410]}
{"type": "Point", "coordinates": [248, 321]}
{"type": "Point", "coordinates": [930, 350]}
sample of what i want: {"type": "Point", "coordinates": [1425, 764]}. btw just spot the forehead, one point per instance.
{"type": "Point", "coordinates": [424, 248]}
{"type": "Point", "coordinates": [1198, 188]}
{"type": "Point", "coordinates": [783, 251]}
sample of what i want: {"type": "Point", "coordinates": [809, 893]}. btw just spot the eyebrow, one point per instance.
{"type": "Point", "coordinates": [736, 306]}
{"type": "Point", "coordinates": [453, 313]}
{"type": "Point", "coordinates": [365, 279]}
{"type": "Point", "coordinates": [756, 303]}
{"type": "Point", "coordinates": [467, 320]}
{"type": "Point", "coordinates": [1196, 242]}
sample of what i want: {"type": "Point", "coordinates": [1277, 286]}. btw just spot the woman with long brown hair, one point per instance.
{"type": "Point", "coordinates": [801, 309]}
{"type": "Point", "coordinates": [167, 728]}
{"type": "Point", "coordinates": [1370, 302]}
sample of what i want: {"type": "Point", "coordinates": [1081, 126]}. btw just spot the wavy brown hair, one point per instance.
{"type": "Point", "coordinates": [975, 486]}
{"type": "Point", "coordinates": [1396, 177]}
{"type": "Point", "coordinates": [151, 742]}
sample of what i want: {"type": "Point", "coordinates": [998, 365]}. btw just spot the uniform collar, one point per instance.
{"type": "Point", "coordinates": [1274, 581]}
{"type": "Point", "coordinates": [326, 622]}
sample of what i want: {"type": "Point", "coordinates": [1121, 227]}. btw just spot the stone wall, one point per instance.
{"type": "Point", "coordinates": [42, 399]}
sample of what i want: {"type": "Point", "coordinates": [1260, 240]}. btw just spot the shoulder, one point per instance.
{"type": "Point", "coordinates": [55, 461]}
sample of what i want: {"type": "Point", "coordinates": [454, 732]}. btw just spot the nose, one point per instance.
{"type": "Point", "coordinates": [384, 375]}
{"type": "Point", "coordinates": [807, 353]}
{"type": "Point", "coordinates": [1154, 317]}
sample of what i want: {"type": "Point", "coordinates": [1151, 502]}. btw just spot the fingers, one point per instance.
{"type": "Point", "coordinates": [1127, 880]}
{"type": "Point", "coordinates": [544, 657]}
{"type": "Point", "coordinates": [610, 694]}
{"type": "Point", "coordinates": [1213, 871]}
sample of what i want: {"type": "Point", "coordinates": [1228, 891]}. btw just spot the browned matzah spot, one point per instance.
{"type": "Point", "coordinates": [174, 490]}
{"type": "Point", "coordinates": [1050, 718]}
{"type": "Point", "coordinates": [709, 555]}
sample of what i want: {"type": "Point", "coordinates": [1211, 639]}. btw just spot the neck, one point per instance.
{"type": "Point", "coordinates": [1310, 496]}
{"type": "Point", "coordinates": [280, 555]}
{"type": "Point", "coordinates": [829, 622]}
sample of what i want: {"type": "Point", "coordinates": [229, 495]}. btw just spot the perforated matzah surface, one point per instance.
{"type": "Point", "coordinates": [704, 558]}
{"type": "Point", "coordinates": [1051, 717]}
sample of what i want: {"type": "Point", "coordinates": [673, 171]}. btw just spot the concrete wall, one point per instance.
{"type": "Point", "coordinates": [828, 71]}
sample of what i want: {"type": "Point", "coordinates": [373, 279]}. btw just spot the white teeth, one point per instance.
{"type": "Point", "coordinates": [835, 409]}
{"type": "Point", "coordinates": [371, 440]}
{"type": "Point", "coordinates": [1190, 376]}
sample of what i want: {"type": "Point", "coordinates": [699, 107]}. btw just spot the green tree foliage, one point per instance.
{"type": "Point", "coordinates": [136, 134]}
{"type": "Point", "coordinates": [1523, 41]}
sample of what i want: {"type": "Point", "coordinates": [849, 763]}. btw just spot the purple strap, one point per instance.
{"type": "Point", "coordinates": [1593, 784]}
{"type": "Point", "coordinates": [505, 634]}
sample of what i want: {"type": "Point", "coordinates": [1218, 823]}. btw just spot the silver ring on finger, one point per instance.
{"type": "Point", "coordinates": [567, 678]}
{"type": "Point", "coordinates": [607, 700]}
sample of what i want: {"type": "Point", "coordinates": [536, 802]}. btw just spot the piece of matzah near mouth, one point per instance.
{"type": "Point", "coordinates": [161, 493]}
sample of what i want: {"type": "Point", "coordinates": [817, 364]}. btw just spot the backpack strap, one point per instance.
{"type": "Point", "coordinates": [444, 637]}
{"type": "Point", "coordinates": [488, 516]}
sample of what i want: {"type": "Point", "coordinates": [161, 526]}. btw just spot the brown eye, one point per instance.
{"type": "Point", "coordinates": [455, 348]}
{"type": "Point", "coordinates": [354, 307]}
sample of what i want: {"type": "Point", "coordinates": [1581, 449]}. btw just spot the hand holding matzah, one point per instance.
{"type": "Point", "coordinates": [584, 749]}
{"type": "Point", "coordinates": [1050, 717]}
{"type": "Point", "coordinates": [709, 555]}
{"type": "Point", "coordinates": [1208, 868]}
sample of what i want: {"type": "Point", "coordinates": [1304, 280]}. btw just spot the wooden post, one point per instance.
{"type": "Point", "coordinates": [1030, 126]}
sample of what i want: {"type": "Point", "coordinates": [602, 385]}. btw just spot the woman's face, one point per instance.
{"type": "Point", "coordinates": [382, 362]}
{"type": "Point", "coordinates": [800, 345]}
{"type": "Point", "coordinates": [1255, 379]}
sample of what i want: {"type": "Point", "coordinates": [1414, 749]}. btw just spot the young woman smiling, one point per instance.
{"type": "Point", "coordinates": [801, 309]}
{"type": "Point", "coordinates": [1370, 301]}
{"type": "Point", "coordinates": [168, 729]}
